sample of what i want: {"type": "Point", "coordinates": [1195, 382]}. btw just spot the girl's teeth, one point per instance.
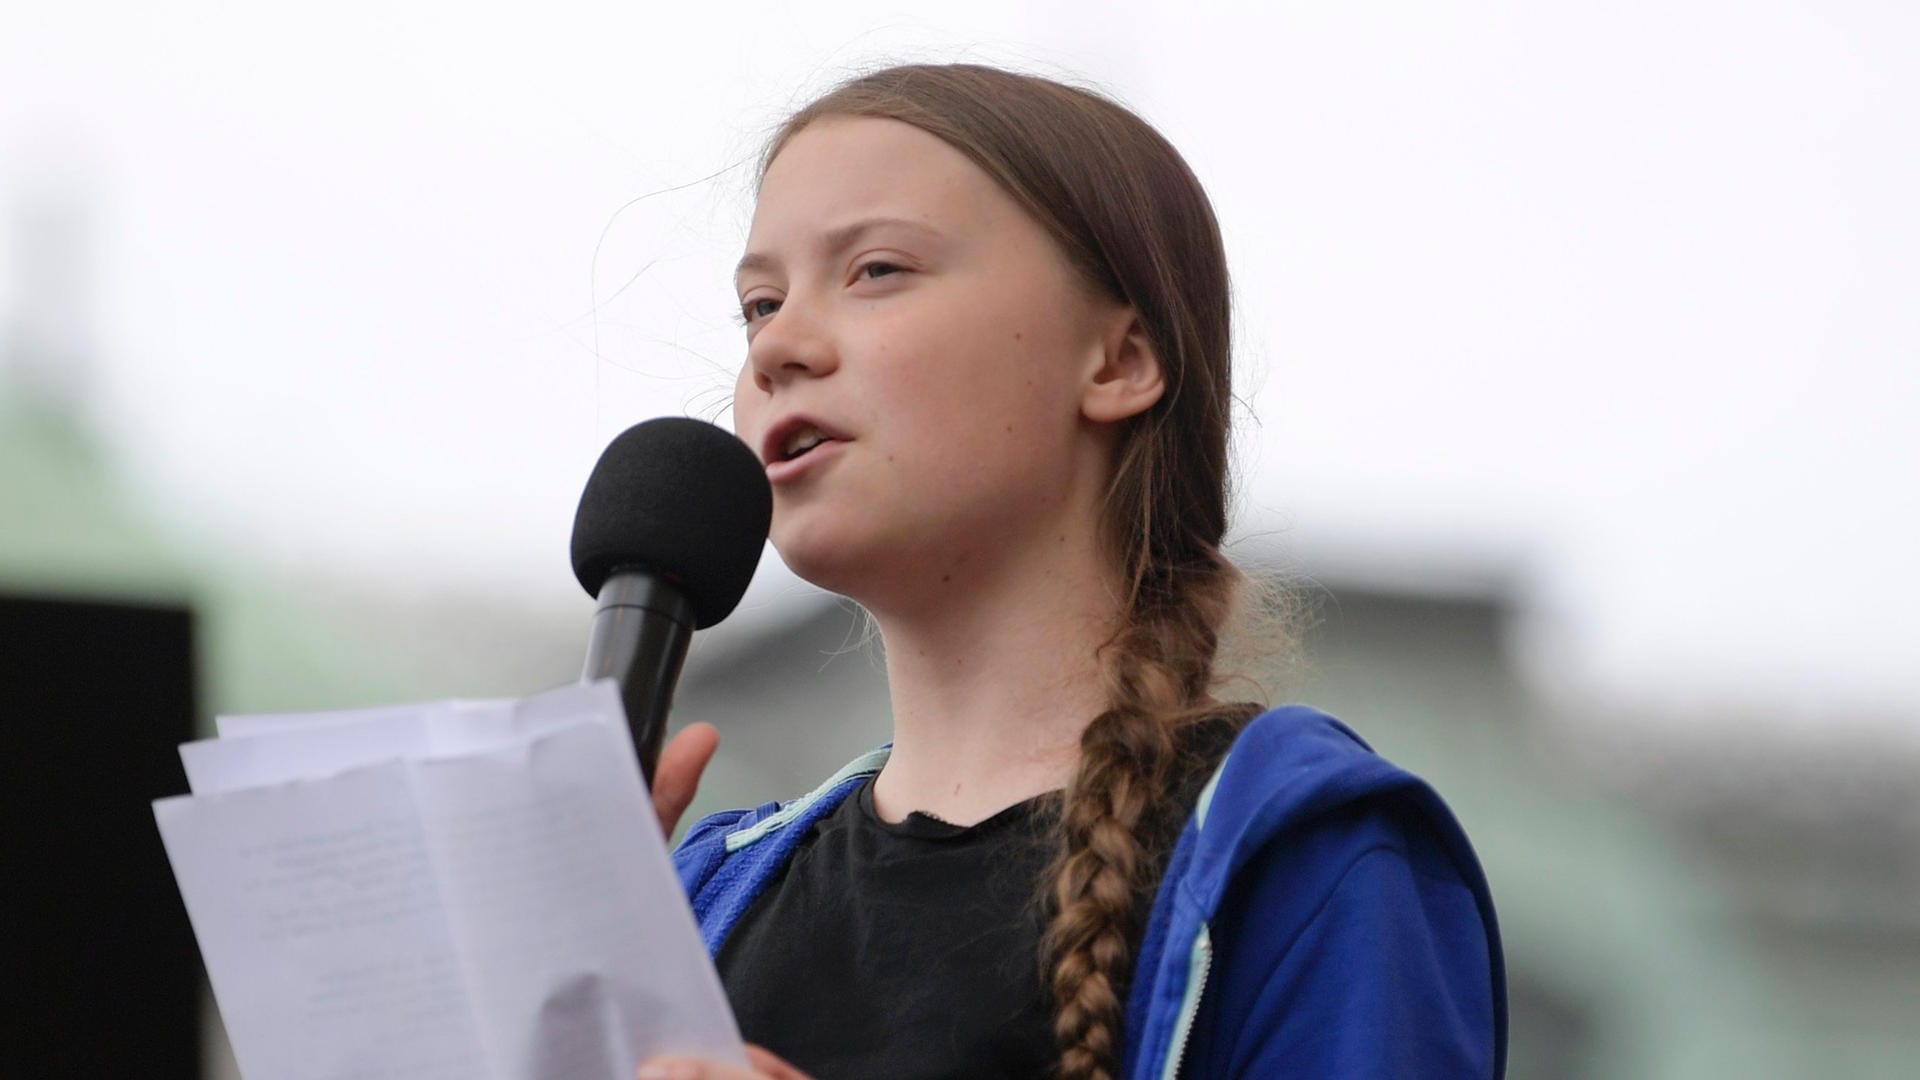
{"type": "Point", "coordinates": [801, 443]}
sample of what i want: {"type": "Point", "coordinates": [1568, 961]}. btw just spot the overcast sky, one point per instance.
{"type": "Point", "coordinates": [1629, 293]}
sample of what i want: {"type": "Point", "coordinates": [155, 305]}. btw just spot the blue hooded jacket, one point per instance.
{"type": "Point", "coordinates": [1322, 916]}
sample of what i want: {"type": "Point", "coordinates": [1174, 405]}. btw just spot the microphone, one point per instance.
{"type": "Point", "coordinates": [669, 531]}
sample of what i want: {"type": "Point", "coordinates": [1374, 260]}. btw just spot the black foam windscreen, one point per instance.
{"type": "Point", "coordinates": [680, 498]}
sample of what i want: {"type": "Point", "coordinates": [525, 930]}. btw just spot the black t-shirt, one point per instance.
{"type": "Point", "coordinates": [911, 950]}
{"type": "Point", "coordinates": [901, 950]}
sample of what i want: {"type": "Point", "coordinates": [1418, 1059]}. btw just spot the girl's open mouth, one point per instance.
{"type": "Point", "coordinates": [800, 454]}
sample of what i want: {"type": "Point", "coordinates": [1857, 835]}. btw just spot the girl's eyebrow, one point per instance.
{"type": "Point", "coordinates": [835, 239]}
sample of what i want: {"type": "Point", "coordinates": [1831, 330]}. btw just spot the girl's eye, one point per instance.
{"type": "Point", "coordinates": [757, 309]}
{"type": "Point", "coordinates": [878, 268]}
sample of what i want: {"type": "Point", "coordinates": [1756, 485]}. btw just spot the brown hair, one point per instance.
{"type": "Point", "coordinates": [1132, 217]}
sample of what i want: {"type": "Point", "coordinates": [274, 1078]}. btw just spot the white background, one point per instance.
{"type": "Point", "coordinates": [1628, 293]}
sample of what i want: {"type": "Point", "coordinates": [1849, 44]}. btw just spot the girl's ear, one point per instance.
{"type": "Point", "coordinates": [1126, 379]}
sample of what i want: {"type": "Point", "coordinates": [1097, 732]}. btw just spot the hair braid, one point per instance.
{"type": "Point", "coordinates": [1118, 813]}
{"type": "Point", "coordinates": [1101, 869]}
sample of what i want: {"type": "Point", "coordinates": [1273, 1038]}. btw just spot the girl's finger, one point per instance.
{"type": "Point", "coordinates": [690, 1069]}
{"type": "Point", "coordinates": [768, 1064]}
{"type": "Point", "coordinates": [676, 776]}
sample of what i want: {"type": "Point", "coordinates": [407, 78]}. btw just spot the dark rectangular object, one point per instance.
{"type": "Point", "coordinates": [99, 974]}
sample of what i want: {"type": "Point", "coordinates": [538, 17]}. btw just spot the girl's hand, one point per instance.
{"type": "Point", "coordinates": [765, 1065]}
{"type": "Point", "coordinates": [676, 776]}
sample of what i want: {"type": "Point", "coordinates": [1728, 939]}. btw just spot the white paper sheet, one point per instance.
{"type": "Point", "coordinates": [472, 890]}
{"type": "Point", "coordinates": [318, 916]}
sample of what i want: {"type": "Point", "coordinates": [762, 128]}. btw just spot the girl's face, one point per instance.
{"type": "Point", "coordinates": [916, 328]}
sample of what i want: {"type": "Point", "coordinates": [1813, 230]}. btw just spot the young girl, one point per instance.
{"type": "Point", "coordinates": [987, 367]}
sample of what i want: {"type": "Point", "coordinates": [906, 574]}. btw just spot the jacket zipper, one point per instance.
{"type": "Point", "coordinates": [1198, 966]}
{"type": "Point", "coordinates": [1200, 961]}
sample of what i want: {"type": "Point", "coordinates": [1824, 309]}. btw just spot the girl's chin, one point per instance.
{"type": "Point", "coordinates": [832, 563]}
{"type": "Point", "coordinates": [854, 565]}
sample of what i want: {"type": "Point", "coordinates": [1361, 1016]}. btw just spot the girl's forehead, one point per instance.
{"type": "Point", "coordinates": [837, 168]}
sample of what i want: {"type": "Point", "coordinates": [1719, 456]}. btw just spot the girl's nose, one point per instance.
{"type": "Point", "coordinates": [789, 345]}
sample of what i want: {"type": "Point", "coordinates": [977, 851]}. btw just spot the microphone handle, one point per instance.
{"type": "Point", "coordinates": [639, 638]}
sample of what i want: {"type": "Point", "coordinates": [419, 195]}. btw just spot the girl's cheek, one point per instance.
{"type": "Point", "coordinates": [746, 406]}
